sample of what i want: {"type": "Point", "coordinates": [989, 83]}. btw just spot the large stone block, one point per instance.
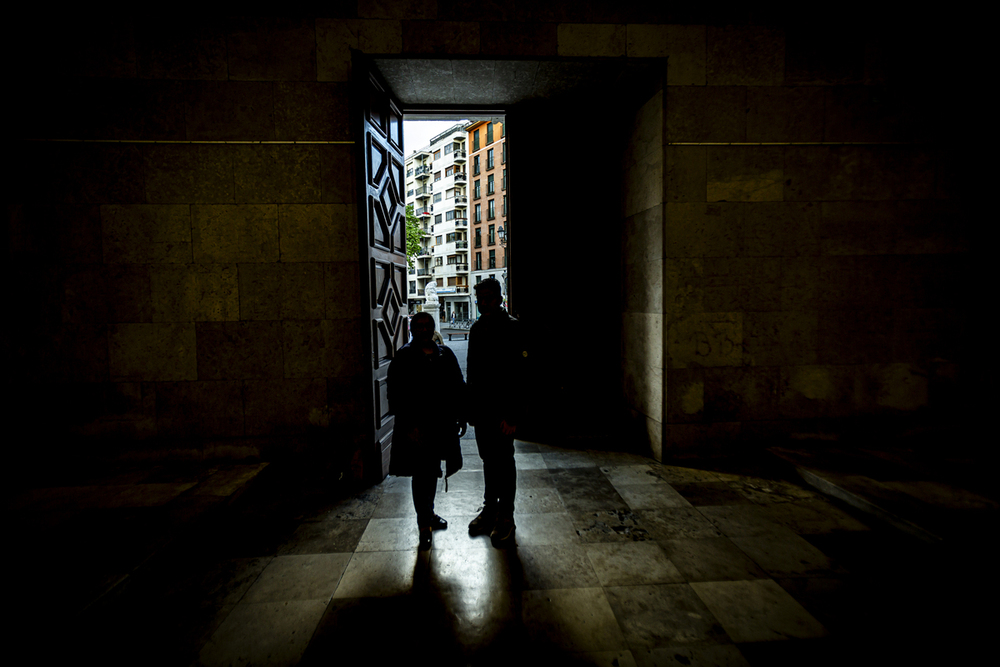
{"type": "Point", "coordinates": [868, 113]}
{"type": "Point", "coordinates": [124, 109]}
{"type": "Point", "coordinates": [799, 283]}
{"type": "Point", "coordinates": [929, 227]}
{"type": "Point", "coordinates": [152, 352]}
{"type": "Point", "coordinates": [272, 49]}
{"type": "Point", "coordinates": [83, 294]}
{"type": "Point", "coordinates": [342, 288]}
{"type": "Point", "coordinates": [642, 338]}
{"type": "Point", "coordinates": [778, 114]}
{"type": "Point", "coordinates": [60, 233]}
{"type": "Point", "coordinates": [741, 394]}
{"type": "Point", "coordinates": [644, 388]}
{"type": "Point", "coordinates": [831, 54]}
{"type": "Point", "coordinates": [780, 338]}
{"type": "Point", "coordinates": [239, 350]}
{"type": "Point", "coordinates": [318, 233]}
{"type": "Point", "coordinates": [822, 173]}
{"type": "Point", "coordinates": [901, 386]}
{"type": "Point", "coordinates": [816, 391]}
{"type": "Point", "coordinates": [643, 183]}
{"type": "Point", "coordinates": [854, 337]}
{"type": "Point", "coordinates": [195, 293]}
{"type": "Point", "coordinates": [858, 228]}
{"type": "Point", "coordinates": [181, 49]}
{"type": "Point", "coordinates": [188, 174]}
{"type": "Point", "coordinates": [703, 230]}
{"type": "Point", "coordinates": [336, 37]}
{"type": "Point", "coordinates": [683, 290]}
{"type": "Point", "coordinates": [199, 409]}
{"type": "Point", "coordinates": [146, 234]}
{"type": "Point", "coordinates": [129, 293]}
{"type": "Point", "coordinates": [518, 39]}
{"type": "Point", "coordinates": [72, 352]}
{"type": "Point", "coordinates": [745, 56]}
{"type": "Point", "coordinates": [685, 401]}
{"type": "Point", "coordinates": [261, 290]}
{"type": "Point", "coordinates": [321, 349]}
{"type": "Point", "coordinates": [309, 111]}
{"type": "Point", "coordinates": [646, 134]}
{"type": "Point", "coordinates": [345, 400]}
{"type": "Point", "coordinates": [745, 173]}
{"type": "Point", "coordinates": [235, 233]}
{"type": "Point", "coordinates": [739, 283]}
{"type": "Point", "coordinates": [897, 172]}
{"type": "Point", "coordinates": [302, 291]}
{"type": "Point", "coordinates": [591, 39]}
{"type": "Point", "coordinates": [685, 173]}
{"type": "Point", "coordinates": [337, 164]}
{"type": "Point", "coordinates": [705, 339]}
{"type": "Point", "coordinates": [920, 334]}
{"type": "Point", "coordinates": [643, 287]}
{"type": "Point", "coordinates": [277, 173]}
{"type": "Point", "coordinates": [282, 407]}
{"type": "Point", "coordinates": [706, 114]}
{"type": "Point", "coordinates": [444, 37]}
{"type": "Point", "coordinates": [644, 236]}
{"type": "Point", "coordinates": [782, 229]}
{"type": "Point", "coordinates": [230, 110]}
{"type": "Point", "coordinates": [82, 173]}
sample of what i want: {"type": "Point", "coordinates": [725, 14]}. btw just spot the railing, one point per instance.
{"type": "Point", "coordinates": [412, 272]}
{"type": "Point", "coordinates": [458, 267]}
{"type": "Point", "coordinates": [461, 222]}
{"type": "Point", "coordinates": [462, 200]}
{"type": "Point", "coordinates": [422, 171]}
{"type": "Point", "coordinates": [422, 211]}
{"type": "Point", "coordinates": [424, 253]}
{"type": "Point", "coordinates": [458, 155]}
{"type": "Point", "coordinates": [424, 191]}
{"type": "Point", "coordinates": [460, 176]}
{"type": "Point", "coordinates": [424, 272]}
{"type": "Point", "coordinates": [461, 244]}
{"type": "Point", "coordinates": [462, 289]}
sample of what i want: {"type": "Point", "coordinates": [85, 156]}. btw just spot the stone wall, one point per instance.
{"type": "Point", "coordinates": [207, 293]}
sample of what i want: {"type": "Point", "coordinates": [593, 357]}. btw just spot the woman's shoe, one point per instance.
{"type": "Point", "coordinates": [425, 539]}
{"type": "Point", "coordinates": [484, 523]}
{"type": "Point", "coordinates": [437, 523]}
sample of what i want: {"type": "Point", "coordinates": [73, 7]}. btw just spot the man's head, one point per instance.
{"type": "Point", "coordinates": [488, 296]}
{"type": "Point", "coordinates": [422, 327]}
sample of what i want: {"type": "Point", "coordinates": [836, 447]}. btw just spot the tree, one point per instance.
{"type": "Point", "coordinates": [414, 231]}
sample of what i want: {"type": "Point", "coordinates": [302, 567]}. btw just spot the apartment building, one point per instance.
{"type": "Point", "coordinates": [436, 185]}
{"type": "Point", "coordinates": [488, 188]}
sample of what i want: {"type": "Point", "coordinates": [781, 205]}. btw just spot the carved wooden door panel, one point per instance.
{"type": "Point", "coordinates": [382, 227]}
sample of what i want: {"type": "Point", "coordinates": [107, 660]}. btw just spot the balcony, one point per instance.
{"type": "Point", "coordinates": [422, 173]}
{"type": "Point", "coordinates": [422, 211]}
{"type": "Point", "coordinates": [460, 177]}
{"type": "Point", "coordinates": [462, 202]}
{"type": "Point", "coordinates": [424, 192]}
{"type": "Point", "coordinates": [461, 244]}
{"type": "Point", "coordinates": [461, 222]}
{"type": "Point", "coordinates": [459, 156]}
{"type": "Point", "coordinates": [424, 272]}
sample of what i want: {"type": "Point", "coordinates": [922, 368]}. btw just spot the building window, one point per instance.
{"type": "Point", "coordinates": [447, 149]}
{"type": "Point", "coordinates": [475, 165]}
{"type": "Point", "coordinates": [490, 187]}
{"type": "Point", "coordinates": [437, 218]}
{"type": "Point", "coordinates": [449, 215]}
{"type": "Point", "coordinates": [437, 240]}
{"type": "Point", "coordinates": [505, 205]}
{"type": "Point", "coordinates": [437, 176]}
{"type": "Point", "coordinates": [479, 262]}
{"type": "Point", "coordinates": [409, 172]}
{"type": "Point", "coordinates": [409, 193]}
{"type": "Point", "coordinates": [437, 197]}
{"type": "Point", "coordinates": [438, 261]}
{"type": "Point", "coordinates": [477, 189]}
{"type": "Point", "coordinates": [489, 133]}
{"type": "Point", "coordinates": [437, 154]}
{"type": "Point", "coordinates": [449, 171]}
{"type": "Point", "coordinates": [489, 159]}
{"type": "Point", "coordinates": [491, 235]}
{"type": "Point", "coordinates": [475, 140]}
{"type": "Point", "coordinates": [479, 279]}
{"type": "Point", "coordinates": [479, 238]}
{"type": "Point", "coordinates": [503, 130]}
{"type": "Point", "coordinates": [493, 259]}
{"type": "Point", "coordinates": [503, 185]}
{"type": "Point", "coordinates": [493, 209]}
{"type": "Point", "coordinates": [479, 212]}
{"type": "Point", "coordinates": [503, 153]}
{"type": "Point", "coordinates": [449, 193]}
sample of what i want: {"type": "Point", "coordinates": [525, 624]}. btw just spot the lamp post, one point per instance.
{"type": "Point", "coordinates": [502, 235]}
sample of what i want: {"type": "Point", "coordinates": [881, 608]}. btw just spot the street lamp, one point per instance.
{"type": "Point", "coordinates": [502, 234]}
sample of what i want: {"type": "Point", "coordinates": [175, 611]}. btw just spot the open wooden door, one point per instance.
{"type": "Point", "coordinates": [382, 230]}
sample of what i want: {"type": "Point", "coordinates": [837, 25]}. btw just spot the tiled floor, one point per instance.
{"type": "Point", "coordinates": [619, 560]}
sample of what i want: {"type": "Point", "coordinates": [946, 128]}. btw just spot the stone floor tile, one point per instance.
{"type": "Point", "coordinates": [814, 517]}
{"type": "Point", "coordinates": [454, 503]}
{"type": "Point", "coordinates": [711, 493]}
{"type": "Point", "coordinates": [360, 506]}
{"type": "Point", "coordinates": [568, 459]}
{"type": "Point", "coordinates": [574, 619]}
{"type": "Point", "coordinates": [678, 523]}
{"type": "Point", "coordinates": [394, 484]}
{"type": "Point", "coordinates": [529, 461]}
{"type": "Point", "coordinates": [765, 491]}
{"type": "Point", "coordinates": [468, 481]}
{"type": "Point", "coordinates": [330, 536]}
{"type": "Point", "coordinates": [538, 501]}
{"type": "Point", "coordinates": [757, 610]}
{"type": "Point", "coordinates": [680, 475]}
{"type": "Point", "coordinates": [522, 447]}
{"type": "Point", "coordinates": [378, 574]}
{"type": "Point", "coordinates": [225, 582]}
{"type": "Point", "coordinates": [394, 506]}
{"type": "Point", "coordinates": [486, 622]}
{"type": "Point", "coordinates": [741, 520]}
{"type": "Point", "coordinates": [662, 615]}
{"type": "Point", "coordinates": [583, 489]}
{"type": "Point", "coordinates": [785, 554]}
{"type": "Point", "coordinates": [563, 566]}
{"type": "Point", "coordinates": [631, 475]}
{"type": "Point", "coordinates": [542, 529]}
{"type": "Point", "coordinates": [308, 577]}
{"type": "Point", "coordinates": [471, 569]}
{"type": "Point", "coordinates": [534, 479]}
{"type": "Point", "coordinates": [692, 655]}
{"type": "Point", "coordinates": [272, 633]}
{"type": "Point", "coordinates": [606, 459]}
{"type": "Point", "coordinates": [651, 496]}
{"type": "Point", "coordinates": [632, 564]}
{"type": "Point", "coordinates": [389, 535]}
{"type": "Point", "coordinates": [609, 526]}
{"type": "Point", "coordinates": [711, 559]}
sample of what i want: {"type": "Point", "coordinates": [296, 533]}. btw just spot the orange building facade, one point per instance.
{"type": "Point", "coordinates": [488, 199]}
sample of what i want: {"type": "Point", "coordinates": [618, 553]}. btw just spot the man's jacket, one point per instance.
{"type": "Point", "coordinates": [496, 374]}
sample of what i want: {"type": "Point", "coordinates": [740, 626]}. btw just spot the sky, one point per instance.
{"type": "Point", "coordinates": [418, 133]}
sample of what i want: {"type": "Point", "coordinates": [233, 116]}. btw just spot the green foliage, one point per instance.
{"type": "Point", "coordinates": [414, 231]}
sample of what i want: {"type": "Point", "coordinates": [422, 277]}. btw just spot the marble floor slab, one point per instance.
{"type": "Point", "coordinates": [662, 615]}
{"type": "Point", "coordinates": [575, 619]}
{"type": "Point", "coordinates": [757, 610]}
{"type": "Point", "coordinates": [268, 633]}
{"type": "Point", "coordinates": [306, 577]}
{"type": "Point", "coordinates": [632, 564]}
{"type": "Point", "coordinates": [378, 574]}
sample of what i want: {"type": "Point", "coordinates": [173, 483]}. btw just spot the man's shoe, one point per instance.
{"type": "Point", "coordinates": [425, 539]}
{"type": "Point", "coordinates": [484, 523]}
{"type": "Point", "coordinates": [503, 532]}
{"type": "Point", "coordinates": [437, 523]}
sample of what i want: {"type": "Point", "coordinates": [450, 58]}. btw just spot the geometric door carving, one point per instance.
{"type": "Point", "coordinates": [383, 230]}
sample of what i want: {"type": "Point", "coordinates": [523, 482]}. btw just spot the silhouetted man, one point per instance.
{"type": "Point", "coordinates": [495, 367]}
{"type": "Point", "coordinates": [427, 394]}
